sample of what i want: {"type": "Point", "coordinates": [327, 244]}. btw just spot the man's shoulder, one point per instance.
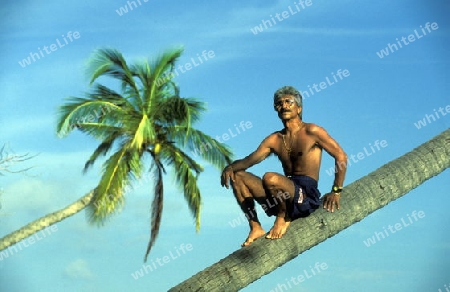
{"type": "Point", "coordinates": [274, 135]}
{"type": "Point", "coordinates": [272, 139]}
{"type": "Point", "coordinates": [312, 128]}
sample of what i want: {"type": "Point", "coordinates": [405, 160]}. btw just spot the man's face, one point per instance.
{"type": "Point", "coordinates": [287, 108]}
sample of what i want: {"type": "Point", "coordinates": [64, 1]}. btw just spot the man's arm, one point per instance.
{"type": "Point", "coordinates": [340, 162]}
{"type": "Point", "coordinates": [261, 153]}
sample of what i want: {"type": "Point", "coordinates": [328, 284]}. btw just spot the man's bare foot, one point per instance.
{"type": "Point", "coordinates": [255, 232]}
{"type": "Point", "coordinates": [279, 228]}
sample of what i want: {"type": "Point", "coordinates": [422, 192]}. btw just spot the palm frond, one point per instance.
{"type": "Point", "coordinates": [187, 182]}
{"type": "Point", "coordinates": [102, 149]}
{"type": "Point", "coordinates": [201, 144]}
{"type": "Point", "coordinates": [170, 153]}
{"type": "Point", "coordinates": [107, 61]}
{"type": "Point", "coordinates": [101, 92]}
{"type": "Point", "coordinates": [101, 131]}
{"type": "Point", "coordinates": [165, 63]}
{"type": "Point", "coordinates": [118, 171]}
{"type": "Point", "coordinates": [80, 110]}
{"type": "Point", "coordinates": [110, 62]}
{"type": "Point", "coordinates": [176, 110]}
{"type": "Point", "coordinates": [158, 79]}
{"type": "Point", "coordinates": [143, 72]}
{"type": "Point", "coordinates": [186, 172]}
{"type": "Point", "coordinates": [157, 208]}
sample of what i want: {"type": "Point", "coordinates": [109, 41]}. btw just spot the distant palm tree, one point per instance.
{"type": "Point", "coordinates": [359, 199]}
{"type": "Point", "coordinates": [145, 124]}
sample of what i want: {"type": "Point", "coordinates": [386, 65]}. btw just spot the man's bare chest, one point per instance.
{"type": "Point", "coordinates": [295, 149]}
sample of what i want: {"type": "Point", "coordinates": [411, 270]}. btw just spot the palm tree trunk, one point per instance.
{"type": "Point", "coordinates": [359, 199]}
{"type": "Point", "coordinates": [45, 221]}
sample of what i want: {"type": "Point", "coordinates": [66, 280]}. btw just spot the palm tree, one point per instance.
{"type": "Point", "coordinates": [145, 125]}
{"type": "Point", "coordinates": [360, 198]}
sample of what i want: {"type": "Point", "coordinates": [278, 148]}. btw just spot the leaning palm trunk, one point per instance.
{"type": "Point", "coordinates": [360, 198]}
{"type": "Point", "coordinates": [47, 220]}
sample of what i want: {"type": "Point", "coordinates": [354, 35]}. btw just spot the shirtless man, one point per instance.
{"type": "Point", "coordinates": [293, 195]}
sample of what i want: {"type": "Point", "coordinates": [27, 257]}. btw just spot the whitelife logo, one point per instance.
{"type": "Point", "coordinates": [27, 242]}
{"type": "Point", "coordinates": [432, 118]}
{"type": "Point", "coordinates": [378, 236]}
{"type": "Point", "coordinates": [130, 4]}
{"type": "Point", "coordinates": [49, 49]}
{"type": "Point", "coordinates": [281, 16]}
{"type": "Point", "coordinates": [205, 56]}
{"type": "Point", "coordinates": [159, 262]}
{"type": "Point", "coordinates": [411, 38]}
{"type": "Point", "coordinates": [355, 158]}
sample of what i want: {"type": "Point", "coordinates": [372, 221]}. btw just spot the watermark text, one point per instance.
{"type": "Point", "coordinates": [265, 24]}
{"type": "Point", "coordinates": [334, 78]}
{"type": "Point", "coordinates": [183, 68]}
{"type": "Point", "coordinates": [131, 5]}
{"type": "Point", "coordinates": [355, 158]}
{"type": "Point", "coordinates": [231, 133]}
{"type": "Point", "coordinates": [433, 117]}
{"type": "Point", "coordinates": [391, 229]}
{"type": "Point", "coordinates": [305, 275]}
{"type": "Point", "coordinates": [34, 56]}
{"type": "Point", "coordinates": [160, 262]}
{"type": "Point", "coordinates": [28, 242]}
{"type": "Point", "coordinates": [411, 38]}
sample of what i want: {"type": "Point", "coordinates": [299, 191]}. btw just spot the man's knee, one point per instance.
{"type": "Point", "coordinates": [240, 174]}
{"type": "Point", "coordinates": [274, 181]}
{"type": "Point", "coordinates": [244, 176]}
{"type": "Point", "coordinates": [270, 178]}
{"type": "Point", "coordinates": [240, 178]}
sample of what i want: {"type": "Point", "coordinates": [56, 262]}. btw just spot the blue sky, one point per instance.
{"type": "Point", "coordinates": [379, 99]}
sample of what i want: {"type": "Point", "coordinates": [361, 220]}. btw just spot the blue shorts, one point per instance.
{"type": "Point", "coordinates": [307, 187]}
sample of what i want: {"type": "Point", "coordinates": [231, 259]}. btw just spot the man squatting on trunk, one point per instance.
{"type": "Point", "coordinates": [293, 195]}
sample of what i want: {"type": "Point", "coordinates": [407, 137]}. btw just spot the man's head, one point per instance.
{"type": "Point", "coordinates": [287, 93]}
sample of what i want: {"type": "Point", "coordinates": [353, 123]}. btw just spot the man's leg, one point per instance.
{"type": "Point", "coordinates": [247, 188]}
{"type": "Point", "coordinates": [282, 189]}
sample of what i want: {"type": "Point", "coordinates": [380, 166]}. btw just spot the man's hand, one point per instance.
{"type": "Point", "coordinates": [227, 174]}
{"type": "Point", "coordinates": [331, 199]}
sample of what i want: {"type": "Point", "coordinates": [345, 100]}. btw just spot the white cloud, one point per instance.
{"type": "Point", "coordinates": [79, 270]}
